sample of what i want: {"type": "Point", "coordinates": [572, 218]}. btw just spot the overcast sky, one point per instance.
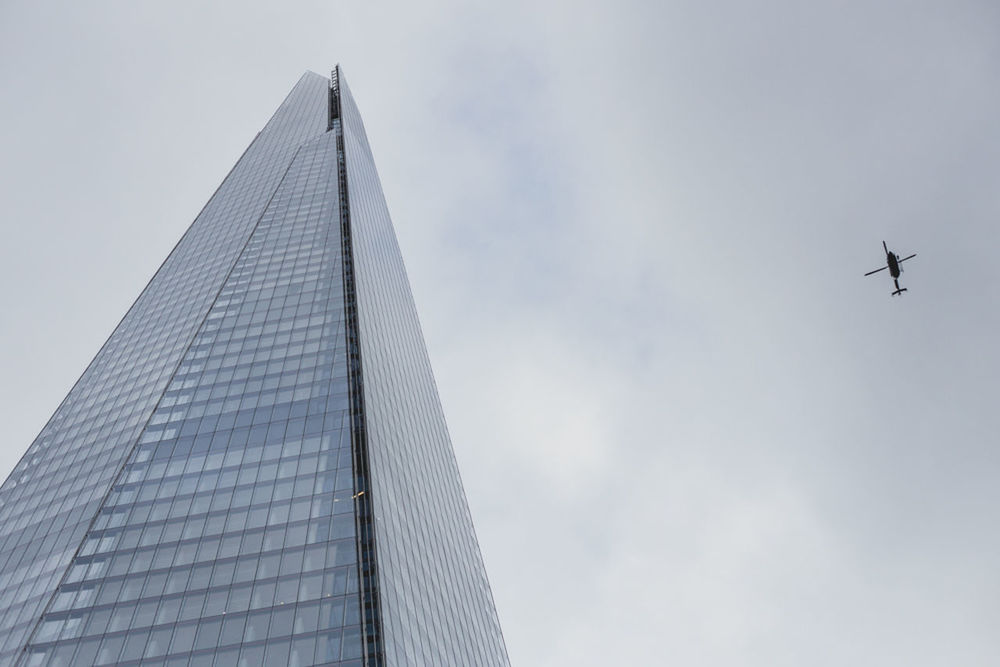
{"type": "Point", "coordinates": [691, 432]}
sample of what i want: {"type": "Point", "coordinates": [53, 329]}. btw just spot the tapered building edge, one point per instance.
{"type": "Point", "coordinates": [418, 498]}
{"type": "Point", "coordinates": [424, 593]}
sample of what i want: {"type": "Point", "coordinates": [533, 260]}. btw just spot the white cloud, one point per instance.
{"type": "Point", "coordinates": [688, 427]}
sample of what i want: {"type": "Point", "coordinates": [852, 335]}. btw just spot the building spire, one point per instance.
{"type": "Point", "coordinates": [334, 104]}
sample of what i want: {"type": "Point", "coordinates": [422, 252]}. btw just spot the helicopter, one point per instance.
{"type": "Point", "coordinates": [892, 263]}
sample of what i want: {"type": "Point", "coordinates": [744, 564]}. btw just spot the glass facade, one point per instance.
{"type": "Point", "coordinates": [436, 600]}
{"type": "Point", "coordinates": [255, 470]}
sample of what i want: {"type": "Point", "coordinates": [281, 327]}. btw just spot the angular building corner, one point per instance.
{"type": "Point", "coordinates": [255, 468]}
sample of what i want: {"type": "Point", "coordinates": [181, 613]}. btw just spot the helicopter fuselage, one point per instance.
{"type": "Point", "coordinates": [893, 263]}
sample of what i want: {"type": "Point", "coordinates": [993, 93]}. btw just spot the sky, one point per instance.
{"type": "Point", "coordinates": [690, 431]}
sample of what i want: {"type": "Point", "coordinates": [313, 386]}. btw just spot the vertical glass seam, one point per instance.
{"type": "Point", "coordinates": [363, 508]}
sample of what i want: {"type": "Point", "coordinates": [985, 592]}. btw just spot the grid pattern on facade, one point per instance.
{"type": "Point", "coordinates": [437, 608]}
{"type": "Point", "coordinates": [199, 497]}
{"type": "Point", "coordinates": [48, 501]}
{"type": "Point", "coordinates": [229, 537]}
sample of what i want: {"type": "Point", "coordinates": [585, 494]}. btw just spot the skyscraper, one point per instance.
{"type": "Point", "coordinates": [255, 468]}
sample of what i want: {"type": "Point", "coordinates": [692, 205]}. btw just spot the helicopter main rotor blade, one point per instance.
{"type": "Point", "coordinates": [877, 270]}
{"type": "Point", "coordinates": [906, 258]}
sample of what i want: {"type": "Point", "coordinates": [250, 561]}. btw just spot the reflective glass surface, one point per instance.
{"type": "Point", "coordinates": [437, 608]}
{"type": "Point", "coordinates": [229, 534]}
{"type": "Point", "coordinates": [194, 500]}
{"type": "Point", "coordinates": [48, 501]}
